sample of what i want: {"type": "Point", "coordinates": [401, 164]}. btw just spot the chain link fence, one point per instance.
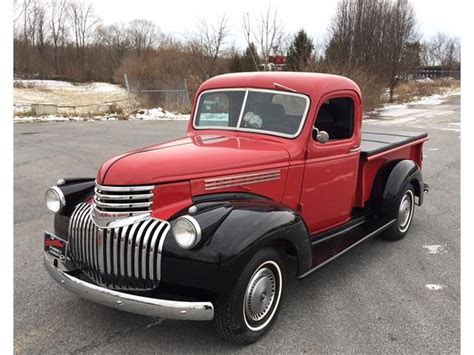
{"type": "Point", "coordinates": [172, 95]}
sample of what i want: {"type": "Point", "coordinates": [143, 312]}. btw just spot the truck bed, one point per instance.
{"type": "Point", "coordinates": [376, 140]}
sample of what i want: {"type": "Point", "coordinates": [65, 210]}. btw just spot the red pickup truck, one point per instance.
{"type": "Point", "coordinates": [274, 167]}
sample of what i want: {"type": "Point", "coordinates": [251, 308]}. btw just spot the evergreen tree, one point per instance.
{"type": "Point", "coordinates": [235, 64]}
{"type": "Point", "coordinates": [300, 52]}
{"type": "Point", "coordinates": [250, 60]}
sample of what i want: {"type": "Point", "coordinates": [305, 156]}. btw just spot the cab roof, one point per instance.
{"type": "Point", "coordinates": [312, 84]}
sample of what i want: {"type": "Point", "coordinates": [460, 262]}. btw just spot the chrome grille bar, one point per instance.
{"type": "Point", "coordinates": [115, 256]}
{"type": "Point", "coordinates": [123, 199]}
{"type": "Point", "coordinates": [108, 256]}
{"type": "Point", "coordinates": [145, 247]}
{"type": "Point", "coordinates": [137, 248]}
{"type": "Point", "coordinates": [130, 249]}
{"type": "Point", "coordinates": [124, 188]}
{"type": "Point", "coordinates": [152, 265]}
{"type": "Point", "coordinates": [123, 248]}
{"type": "Point", "coordinates": [126, 257]}
{"type": "Point", "coordinates": [123, 205]}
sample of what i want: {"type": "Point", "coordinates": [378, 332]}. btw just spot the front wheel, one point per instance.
{"type": "Point", "coordinates": [247, 313]}
{"type": "Point", "coordinates": [403, 211]}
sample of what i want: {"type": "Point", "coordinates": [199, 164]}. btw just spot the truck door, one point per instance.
{"type": "Point", "coordinates": [331, 168]}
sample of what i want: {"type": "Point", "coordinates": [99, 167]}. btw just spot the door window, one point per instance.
{"type": "Point", "coordinates": [336, 117]}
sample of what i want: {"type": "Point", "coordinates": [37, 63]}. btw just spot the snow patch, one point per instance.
{"type": "Point", "coordinates": [158, 114]}
{"type": "Point", "coordinates": [435, 249]}
{"type": "Point", "coordinates": [425, 80]}
{"type": "Point", "coordinates": [396, 110]}
{"type": "Point", "coordinates": [435, 99]}
{"type": "Point", "coordinates": [104, 87]}
{"type": "Point", "coordinates": [97, 87]}
{"type": "Point", "coordinates": [434, 287]}
{"type": "Point", "coordinates": [42, 84]}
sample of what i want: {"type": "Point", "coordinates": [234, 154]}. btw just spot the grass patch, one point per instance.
{"type": "Point", "coordinates": [413, 90]}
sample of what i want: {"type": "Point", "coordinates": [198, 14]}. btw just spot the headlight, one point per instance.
{"type": "Point", "coordinates": [187, 232]}
{"type": "Point", "coordinates": [54, 199]}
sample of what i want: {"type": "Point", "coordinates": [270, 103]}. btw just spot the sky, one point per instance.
{"type": "Point", "coordinates": [179, 16]}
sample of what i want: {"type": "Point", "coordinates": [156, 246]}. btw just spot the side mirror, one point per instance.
{"type": "Point", "coordinates": [321, 136]}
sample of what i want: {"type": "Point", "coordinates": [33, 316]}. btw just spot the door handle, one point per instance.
{"type": "Point", "coordinates": [354, 149]}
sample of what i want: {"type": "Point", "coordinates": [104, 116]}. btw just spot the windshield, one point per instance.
{"type": "Point", "coordinates": [263, 111]}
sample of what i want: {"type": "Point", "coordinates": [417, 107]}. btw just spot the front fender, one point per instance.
{"type": "Point", "coordinates": [232, 232]}
{"type": "Point", "coordinates": [75, 191]}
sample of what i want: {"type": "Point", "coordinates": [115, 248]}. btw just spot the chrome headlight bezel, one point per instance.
{"type": "Point", "coordinates": [193, 226]}
{"type": "Point", "coordinates": [54, 199]}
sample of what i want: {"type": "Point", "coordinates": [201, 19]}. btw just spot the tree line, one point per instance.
{"type": "Point", "coordinates": [375, 42]}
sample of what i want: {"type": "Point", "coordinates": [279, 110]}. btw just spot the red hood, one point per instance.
{"type": "Point", "coordinates": [192, 157]}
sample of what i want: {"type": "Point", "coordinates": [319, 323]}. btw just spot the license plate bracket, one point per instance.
{"type": "Point", "coordinates": [55, 246]}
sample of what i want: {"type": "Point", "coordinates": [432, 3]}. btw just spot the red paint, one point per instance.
{"type": "Point", "coordinates": [53, 243]}
{"type": "Point", "coordinates": [324, 182]}
{"type": "Point", "coordinates": [170, 198]}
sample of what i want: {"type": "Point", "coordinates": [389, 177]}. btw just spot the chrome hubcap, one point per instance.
{"type": "Point", "coordinates": [405, 209]}
{"type": "Point", "coordinates": [260, 294]}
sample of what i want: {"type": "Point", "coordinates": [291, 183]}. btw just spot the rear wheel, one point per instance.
{"type": "Point", "coordinates": [403, 211]}
{"type": "Point", "coordinates": [248, 312]}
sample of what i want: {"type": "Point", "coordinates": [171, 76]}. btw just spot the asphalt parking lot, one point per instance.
{"type": "Point", "coordinates": [381, 297]}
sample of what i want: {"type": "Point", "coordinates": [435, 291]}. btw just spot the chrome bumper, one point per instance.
{"type": "Point", "coordinates": [129, 303]}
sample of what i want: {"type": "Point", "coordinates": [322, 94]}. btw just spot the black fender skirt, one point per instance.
{"type": "Point", "coordinates": [232, 232]}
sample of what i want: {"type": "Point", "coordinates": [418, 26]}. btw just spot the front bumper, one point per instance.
{"type": "Point", "coordinates": [130, 303]}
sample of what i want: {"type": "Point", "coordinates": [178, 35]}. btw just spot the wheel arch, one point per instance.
{"type": "Point", "coordinates": [402, 173]}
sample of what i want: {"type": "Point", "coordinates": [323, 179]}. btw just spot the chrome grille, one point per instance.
{"type": "Point", "coordinates": [128, 199]}
{"type": "Point", "coordinates": [127, 257]}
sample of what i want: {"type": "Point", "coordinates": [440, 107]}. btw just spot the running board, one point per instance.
{"type": "Point", "coordinates": [329, 249]}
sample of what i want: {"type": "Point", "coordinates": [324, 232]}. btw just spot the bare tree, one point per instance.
{"type": "Point", "coordinates": [443, 50]}
{"type": "Point", "coordinates": [116, 38]}
{"type": "Point", "coordinates": [143, 35]}
{"type": "Point", "coordinates": [83, 21]}
{"type": "Point", "coordinates": [23, 14]}
{"type": "Point", "coordinates": [398, 58]}
{"type": "Point", "coordinates": [40, 22]}
{"type": "Point", "coordinates": [57, 29]}
{"type": "Point", "coordinates": [267, 33]}
{"type": "Point", "coordinates": [377, 35]}
{"type": "Point", "coordinates": [206, 44]}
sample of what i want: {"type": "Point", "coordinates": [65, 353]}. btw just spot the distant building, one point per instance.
{"type": "Point", "coordinates": [275, 63]}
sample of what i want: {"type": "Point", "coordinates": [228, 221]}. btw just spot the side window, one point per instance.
{"type": "Point", "coordinates": [336, 117]}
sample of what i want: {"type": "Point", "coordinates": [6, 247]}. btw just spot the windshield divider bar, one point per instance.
{"type": "Point", "coordinates": [242, 109]}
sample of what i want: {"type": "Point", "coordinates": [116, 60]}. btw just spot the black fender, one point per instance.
{"type": "Point", "coordinates": [403, 172]}
{"type": "Point", "coordinates": [75, 190]}
{"type": "Point", "coordinates": [232, 232]}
